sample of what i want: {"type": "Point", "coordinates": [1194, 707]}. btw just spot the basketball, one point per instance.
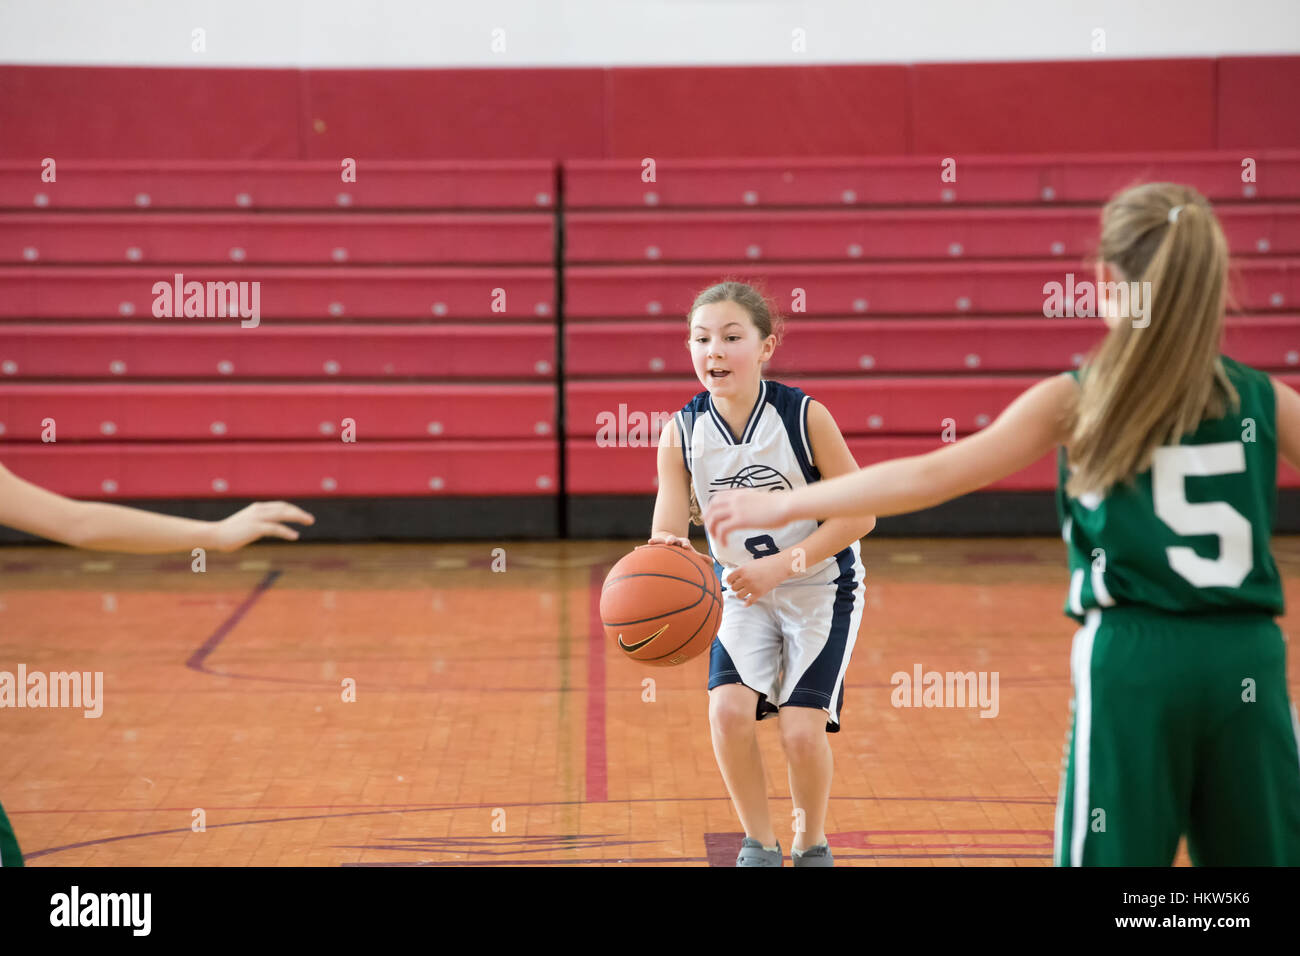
{"type": "Point", "coordinates": [661, 604]}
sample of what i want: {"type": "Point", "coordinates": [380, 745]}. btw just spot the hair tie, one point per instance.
{"type": "Point", "coordinates": [1173, 213]}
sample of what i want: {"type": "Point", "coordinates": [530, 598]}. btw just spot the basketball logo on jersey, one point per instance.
{"type": "Point", "coordinates": [753, 476]}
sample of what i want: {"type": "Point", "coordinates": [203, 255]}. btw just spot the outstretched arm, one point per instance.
{"type": "Point", "coordinates": [1030, 427]}
{"type": "Point", "coordinates": [100, 526]}
{"type": "Point", "coordinates": [1288, 423]}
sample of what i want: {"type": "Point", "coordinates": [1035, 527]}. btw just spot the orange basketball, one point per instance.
{"type": "Point", "coordinates": [662, 604]}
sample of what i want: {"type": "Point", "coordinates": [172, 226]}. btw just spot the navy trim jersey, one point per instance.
{"type": "Point", "coordinates": [773, 453]}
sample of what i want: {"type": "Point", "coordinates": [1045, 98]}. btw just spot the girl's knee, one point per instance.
{"type": "Point", "coordinates": [804, 734]}
{"type": "Point", "coordinates": [732, 709]}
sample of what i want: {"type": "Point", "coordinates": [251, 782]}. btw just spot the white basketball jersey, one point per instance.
{"type": "Point", "coordinates": [772, 453]}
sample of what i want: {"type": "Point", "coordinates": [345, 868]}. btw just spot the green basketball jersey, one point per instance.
{"type": "Point", "coordinates": [1191, 534]}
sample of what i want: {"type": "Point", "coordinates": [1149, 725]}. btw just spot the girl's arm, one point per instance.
{"type": "Point", "coordinates": [671, 523]}
{"type": "Point", "coordinates": [1030, 426]}
{"type": "Point", "coordinates": [832, 458]}
{"type": "Point", "coordinates": [1288, 423]}
{"type": "Point", "coordinates": [100, 526]}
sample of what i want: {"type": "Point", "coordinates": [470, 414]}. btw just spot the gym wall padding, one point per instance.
{"type": "Point", "coordinates": [1100, 105]}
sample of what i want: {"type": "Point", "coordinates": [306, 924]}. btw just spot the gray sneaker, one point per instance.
{"type": "Point", "coordinates": [752, 854]}
{"type": "Point", "coordinates": [819, 855]}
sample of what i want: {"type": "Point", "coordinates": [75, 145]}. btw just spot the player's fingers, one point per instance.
{"type": "Point", "coordinates": [283, 511]}
{"type": "Point", "coordinates": [725, 520]}
{"type": "Point", "coordinates": [271, 530]}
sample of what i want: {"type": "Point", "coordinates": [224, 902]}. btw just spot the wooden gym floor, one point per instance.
{"type": "Point", "coordinates": [493, 724]}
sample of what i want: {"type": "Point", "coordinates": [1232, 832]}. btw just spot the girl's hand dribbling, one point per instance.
{"type": "Point", "coordinates": [663, 537]}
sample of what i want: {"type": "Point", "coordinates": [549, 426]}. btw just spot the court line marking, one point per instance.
{"type": "Point", "coordinates": [442, 809]}
{"type": "Point", "coordinates": [197, 660]}
{"type": "Point", "coordinates": [403, 807]}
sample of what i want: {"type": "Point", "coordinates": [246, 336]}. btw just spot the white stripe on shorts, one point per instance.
{"type": "Point", "coordinates": [1076, 591]}
{"type": "Point", "coordinates": [1081, 666]}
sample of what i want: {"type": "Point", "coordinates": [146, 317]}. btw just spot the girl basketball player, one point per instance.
{"type": "Point", "coordinates": [100, 526]}
{"type": "Point", "coordinates": [1182, 722]}
{"type": "Point", "coordinates": [792, 591]}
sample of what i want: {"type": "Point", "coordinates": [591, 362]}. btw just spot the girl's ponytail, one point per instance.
{"type": "Point", "coordinates": [1157, 374]}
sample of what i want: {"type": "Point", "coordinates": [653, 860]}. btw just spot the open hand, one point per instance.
{"type": "Point", "coordinates": [258, 520]}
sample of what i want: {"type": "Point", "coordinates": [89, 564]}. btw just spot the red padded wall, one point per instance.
{"type": "Point", "coordinates": [1096, 105]}
{"type": "Point", "coordinates": [454, 114]}
{"type": "Point", "coordinates": [756, 111]}
{"type": "Point", "coordinates": [1257, 101]}
{"type": "Point", "coordinates": [69, 112]}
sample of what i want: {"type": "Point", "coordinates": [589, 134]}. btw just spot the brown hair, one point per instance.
{"type": "Point", "coordinates": [1148, 386]}
{"type": "Point", "coordinates": [762, 311]}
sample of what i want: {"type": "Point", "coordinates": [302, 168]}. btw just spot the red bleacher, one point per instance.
{"type": "Point", "coordinates": [435, 272]}
{"type": "Point", "coordinates": [445, 273]}
{"type": "Point", "coordinates": [225, 351]}
{"type": "Point", "coordinates": [907, 288]}
{"type": "Point", "coordinates": [278, 185]}
{"type": "Point", "coordinates": [287, 293]}
{"type": "Point", "coordinates": [920, 234]}
{"type": "Point", "coordinates": [291, 469]}
{"type": "Point", "coordinates": [658, 349]}
{"type": "Point", "coordinates": [891, 297]}
{"type": "Point", "coordinates": [909, 181]}
{"type": "Point", "coordinates": [239, 412]}
{"type": "Point", "coordinates": [278, 238]}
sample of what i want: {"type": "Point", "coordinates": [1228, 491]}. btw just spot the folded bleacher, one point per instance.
{"type": "Point", "coordinates": [420, 308]}
{"type": "Point", "coordinates": [922, 299]}
{"type": "Point", "coordinates": [412, 310]}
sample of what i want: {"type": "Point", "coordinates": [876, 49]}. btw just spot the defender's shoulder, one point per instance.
{"type": "Point", "coordinates": [1241, 372]}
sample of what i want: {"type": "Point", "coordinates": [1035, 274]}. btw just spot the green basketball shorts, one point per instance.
{"type": "Point", "coordinates": [1180, 725]}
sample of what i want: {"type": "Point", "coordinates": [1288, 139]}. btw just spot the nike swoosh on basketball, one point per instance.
{"type": "Point", "coordinates": [640, 644]}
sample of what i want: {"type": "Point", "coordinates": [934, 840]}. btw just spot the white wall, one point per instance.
{"type": "Point", "coordinates": [431, 33]}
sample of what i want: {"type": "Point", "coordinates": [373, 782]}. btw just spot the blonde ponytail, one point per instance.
{"type": "Point", "coordinates": [1151, 382]}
